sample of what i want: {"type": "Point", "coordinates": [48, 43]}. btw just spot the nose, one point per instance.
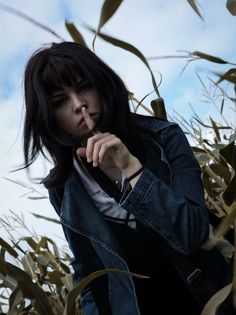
{"type": "Point", "coordinates": [78, 103]}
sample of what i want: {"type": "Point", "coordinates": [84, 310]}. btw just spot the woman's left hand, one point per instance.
{"type": "Point", "coordinates": [106, 150]}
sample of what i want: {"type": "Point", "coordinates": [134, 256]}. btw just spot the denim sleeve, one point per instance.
{"type": "Point", "coordinates": [87, 301]}
{"type": "Point", "coordinates": [176, 211]}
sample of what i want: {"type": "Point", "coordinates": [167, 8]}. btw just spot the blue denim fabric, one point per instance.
{"type": "Point", "coordinates": [168, 198]}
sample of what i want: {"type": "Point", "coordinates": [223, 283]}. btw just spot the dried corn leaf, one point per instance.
{"type": "Point", "coordinates": [75, 34]}
{"type": "Point", "coordinates": [8, 248]}
{"type": "Point", "coordinates": [73, 294]}
{"type": "Point", "coordinates": [194, 6]}
{"type": "Point", "coordinates": [15, 299]}
{"type": "Point", "coordinates": [29, 265]}
{"type": "Point", "coordinates": [216, 130]}
{"type": "Point", "coordinates": [209, 57]}
{"type": "Point", "coordinates": [221, 171]}
{"type": "Point", "coordinates": [158, 107]}
{"type": "Point", "coordinates": [214, 303]}
{"type": "Point", "coordinates": [229, 75]}
{"type": "Point", "coordinates": [108, 10]}
{"type": "Point", "coordinates": [128, 47]}
{"type": "Point", "coordinates": [30, 289]}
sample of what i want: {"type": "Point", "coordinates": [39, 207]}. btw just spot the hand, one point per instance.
{"type": "Point", "coordinates": [105, 150]}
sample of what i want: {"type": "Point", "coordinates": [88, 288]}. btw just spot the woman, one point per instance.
{"type": "Point", "coordinates": [123, 184]}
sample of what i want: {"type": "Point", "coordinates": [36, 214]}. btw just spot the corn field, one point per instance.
{"type": "Point", "coordinates": [36, 276]}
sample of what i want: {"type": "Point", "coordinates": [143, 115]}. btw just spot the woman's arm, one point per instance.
{"type": "Point", "coordinates": [176, 211]}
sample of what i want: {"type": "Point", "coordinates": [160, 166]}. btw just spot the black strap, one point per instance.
{"type": "Point", "coordinates": [194, 278]}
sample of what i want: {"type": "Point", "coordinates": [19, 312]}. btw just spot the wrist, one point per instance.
{"type": "Point", "coordinates": [132, 168]}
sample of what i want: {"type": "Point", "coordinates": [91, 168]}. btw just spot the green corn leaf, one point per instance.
{"type": "Point", "coordinates": [195, 7]}
{"type": "Point", "coordinates": [75, 34]}
{"type": "Point", "coordinates": [108, 10]}
{"type": "Point", "coordinates": [72, 296]}
{"type": "Point", "coordinates": [128, 47]}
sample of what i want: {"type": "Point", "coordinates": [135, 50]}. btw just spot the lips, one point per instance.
{"type": "Point", "coordinates": [92, 115]}
{"type": "Point", "coordinates": [81, 121]}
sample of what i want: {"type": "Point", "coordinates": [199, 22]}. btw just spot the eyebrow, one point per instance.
{"type": "Point", "coordinates": [57, 95]}
{"type": "Point", "coordinates": [62, 92]}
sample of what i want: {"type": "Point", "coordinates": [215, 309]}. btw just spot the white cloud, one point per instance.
{"type": "Point", "coordinates": [155, 27]}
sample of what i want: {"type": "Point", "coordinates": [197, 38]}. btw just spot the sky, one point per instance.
{"type": "Point", "coordinates": [155, 27]}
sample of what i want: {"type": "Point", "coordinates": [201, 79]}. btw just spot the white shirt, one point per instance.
{"type": "Point", "coordinates": [106, 204]}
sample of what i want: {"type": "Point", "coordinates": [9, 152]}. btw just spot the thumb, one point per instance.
{"type": "Point", "coordinates": [81, 152]}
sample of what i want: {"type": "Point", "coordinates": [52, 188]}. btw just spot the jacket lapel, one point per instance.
{"type": "Point", "coordinates": [79, 213]}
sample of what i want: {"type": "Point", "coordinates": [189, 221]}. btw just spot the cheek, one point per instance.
{"type": "Point", "coordinates": [61, 118]}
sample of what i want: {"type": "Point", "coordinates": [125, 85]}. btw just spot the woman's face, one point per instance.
{"type": "Point", "coordinates": [67, 104]}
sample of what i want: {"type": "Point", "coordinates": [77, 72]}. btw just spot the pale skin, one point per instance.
{"type": "Point", "coordinates": [105, 150]}
{"type": "Point", "coordinates": [77, 111]}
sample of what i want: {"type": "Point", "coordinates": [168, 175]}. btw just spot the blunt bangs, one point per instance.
{"type": "Point", "coordinates": [60, 72]}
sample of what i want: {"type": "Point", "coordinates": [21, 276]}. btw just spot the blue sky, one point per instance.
{"type": "Point", "coordinates": [157, 28]}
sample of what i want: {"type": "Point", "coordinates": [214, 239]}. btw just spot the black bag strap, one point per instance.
{"type": "Point", "coordinates": [194, 278]}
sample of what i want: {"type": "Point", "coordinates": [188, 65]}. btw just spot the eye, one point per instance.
{"type": "Point", "coordinates": [60, 101]}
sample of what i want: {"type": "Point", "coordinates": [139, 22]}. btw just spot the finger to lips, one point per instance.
{"type": "Point", "coordinates": [90, 124]}
{"type": "Point", "coordinates": [88, 120]}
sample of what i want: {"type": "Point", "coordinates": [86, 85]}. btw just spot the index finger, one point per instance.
{"type": "Point", "coordinates": [88, 120]}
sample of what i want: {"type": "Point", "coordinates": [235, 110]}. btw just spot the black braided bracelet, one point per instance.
{"type": "Point", "coordinates": [135, 174]}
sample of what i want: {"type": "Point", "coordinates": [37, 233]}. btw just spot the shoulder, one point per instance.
{"type": "Point", "coordinates": [46, 180]}
{"type": "Point", "coordinates": [162, 131]}
{"type": "Point", "coordinates": [151, 123]}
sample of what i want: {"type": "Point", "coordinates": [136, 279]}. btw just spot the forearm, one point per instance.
{"type": "Point", "coordinates": [181, 221]}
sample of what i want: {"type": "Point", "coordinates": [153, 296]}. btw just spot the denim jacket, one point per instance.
{"type": "Point", "coordinates": [168, 198]}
